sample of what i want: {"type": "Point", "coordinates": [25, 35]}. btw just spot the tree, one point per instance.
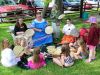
{"type": "Point", "coordinates": [81, 8]}
{"type": "Point", "coordinates": [59, 3]}
{"type": "Point", "coordinates": [46, 2]}
{"type": "Point", "coordinates": [98, 5]}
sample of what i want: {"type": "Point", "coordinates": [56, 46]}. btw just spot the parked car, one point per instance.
{"type": "Point", "coordinates": [94, 3]}
{"type": "Point", "coordinates": [10, 8]}
{"type": "Point", "coordinates": [39, 5]}
{"type": "Point", "coordinates": [72, 4]}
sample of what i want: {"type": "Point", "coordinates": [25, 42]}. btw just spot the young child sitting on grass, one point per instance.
{"type": "Point", "coordinates": [8, 57]}
{"type": "Point", "coordinates": [81, 52]}
{"type": "Point", "coordinates": [37, 60]}
{"type": "Point", "coordinates": [65, 59]}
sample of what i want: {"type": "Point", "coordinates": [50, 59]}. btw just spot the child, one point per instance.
{"type": "Point", "coordinates": [20, 41]}
{"type": "Point", "coordinates": [17, 41]}
{"type": "Point", "coordinates": [37, 60]}
{"type": "Point", "coordinates": [83, 34]}
{"type": "Point", "coordinates": [81, 51]}
{"type": "Point", "coordinates": [92, 42]}
{"type": "Point", "coordinates": [55, 22]}
{"type": "Point", "coordinates": [8, 57]}
{"type": "Point", "coordinates": [27, 52]}
{"type": "Point", "coordinates": [68, 31]}
{"type": "Point", "coordinates": [65, 59]}
{"type": "Point", "coordinates": [20, 27]}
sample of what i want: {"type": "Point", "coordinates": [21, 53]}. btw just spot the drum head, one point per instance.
{"type": "Point", "coordinates": [54, 51]}
{"type": "Point", "coordinates": [49, 30]}
{"type": "Point", "coordinates": [17, 50]}
{"type": "Point", "coordinates": [74, 32]}
{"type": "Point", "coordinates": [61, 16]}
{"type": "Point", "coordinates": [29, 33]}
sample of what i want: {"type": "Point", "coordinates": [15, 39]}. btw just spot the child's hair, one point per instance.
{"type": "Point", "coordinates": [5, 43]}
{"type": "Point", "coordinates": [36, 54]}
{"type": "Point", "coordinates": [23, 42]}
{"type": "Point", "coordinates": [65, 49]}
{"type": "Point", "coordinates": [38, 12]}
{"type": "Point", "coordinates": [17, 41]}
{"type": "Point", "coordinates": [20, 42]}
{"type": "Point", "coordinates": [68, 19]}
{"type": "Point", "coordinates": [17, 22]}
{"type": "Point", "coordinates": [94, 24]}
{"type": "Point", "coordinates": [82, 44]}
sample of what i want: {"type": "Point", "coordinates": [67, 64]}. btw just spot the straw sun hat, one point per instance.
{"type": "Point", "coordinates": [54, 51]}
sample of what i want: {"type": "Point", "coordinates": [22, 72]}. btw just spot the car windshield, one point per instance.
{"type": "Point", "coordinates": [7, 2]}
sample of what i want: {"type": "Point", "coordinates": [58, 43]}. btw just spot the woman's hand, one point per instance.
{"type": "Point", "coordinates": [39, 30]}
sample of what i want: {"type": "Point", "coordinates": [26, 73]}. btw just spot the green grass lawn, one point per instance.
{"type": "Point", "coordinates": [79, 68]}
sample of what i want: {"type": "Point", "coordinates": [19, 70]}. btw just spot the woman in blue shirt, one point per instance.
{"type": "Point", "coordinates": [40, 37]}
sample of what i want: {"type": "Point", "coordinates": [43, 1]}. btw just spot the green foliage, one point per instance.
{"type": "Point", "coordinates": [46, 2]}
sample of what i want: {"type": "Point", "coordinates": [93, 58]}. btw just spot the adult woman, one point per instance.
{"type": "Point", "coordinates": [70, 33]}
{"type": "Point", "coordinates": [40, 37]}
{"type": "Point", "coordinates": [20, 27]}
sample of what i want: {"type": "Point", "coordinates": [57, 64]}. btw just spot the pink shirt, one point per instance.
{"type": "Point", "coordinates": [34, 65]}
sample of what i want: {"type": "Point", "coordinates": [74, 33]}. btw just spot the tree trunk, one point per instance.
{"type": "Point", "coordinates": [59, 3]}
{"type": "Point", "coordinates": [98, 5]}
{"type": "Point", "coordinates": [81, 9]}
{"type": "Point", "coordinates": [44, 10]}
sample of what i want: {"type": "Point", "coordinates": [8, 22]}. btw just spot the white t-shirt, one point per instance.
{"type": "Point", "coordinates": [68, 28]}
{"type": "Point", "coordinates": [8, 58]}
